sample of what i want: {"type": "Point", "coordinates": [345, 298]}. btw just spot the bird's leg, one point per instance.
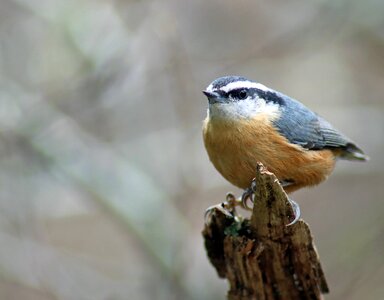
{"type": "Point", "coordinates": [228, 207]}
{"type": "Point", "coordinates": [294, 205]}
{"type": "Point", "coordinates": [247, 195]}
{"type": "Point", "coordinates": [249, 192]}
{"type": "Point", "coordinates": [285, 183]}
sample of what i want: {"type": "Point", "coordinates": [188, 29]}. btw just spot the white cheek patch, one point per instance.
{"type": "Point", "coordinates": [246, 109]}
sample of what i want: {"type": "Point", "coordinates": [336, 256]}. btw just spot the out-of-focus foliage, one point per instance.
{"type": "Point", "coordinates": [104, 178]}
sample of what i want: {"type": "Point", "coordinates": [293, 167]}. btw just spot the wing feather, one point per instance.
{"type": "Point", "coordinates": [303, 127]}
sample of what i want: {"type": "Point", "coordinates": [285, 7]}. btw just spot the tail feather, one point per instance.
{"type": "Point", "coordinates": [352, 152]}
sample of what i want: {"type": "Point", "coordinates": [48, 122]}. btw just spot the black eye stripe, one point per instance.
{"type": "Point", "coordinates": [241, 93]}
{"type": "Point", "coordinates": [271, 96]}
{"type": "Point", "coordinates": [268, 96]}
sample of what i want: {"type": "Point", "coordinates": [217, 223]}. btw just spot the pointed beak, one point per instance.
{"type": "Point", "coordinates": [212, 97]}
{"type": "Point", "coordinates": [210, 94]}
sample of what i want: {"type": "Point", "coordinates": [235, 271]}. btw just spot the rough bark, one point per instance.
{"type": "Point", "coordinates": [262, 258]}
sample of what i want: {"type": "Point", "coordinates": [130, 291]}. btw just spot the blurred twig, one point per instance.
{"type": "Point", "coordinates": [112, 180]}
{"type": "Point", "coordinates": [311, 34]}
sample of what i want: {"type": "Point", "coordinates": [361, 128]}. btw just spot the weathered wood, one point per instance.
{"type": "Point", "coordinates": [262, 258]}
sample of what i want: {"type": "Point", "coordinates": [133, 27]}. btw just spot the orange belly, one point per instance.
{"type": "Point", "coordinates": [234, 147]}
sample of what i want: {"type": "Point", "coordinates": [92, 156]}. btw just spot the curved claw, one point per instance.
{"type": "Point", "coordinates": [296, 211]}
{"type": "Point", "coordinates": [209, 211]}
{"type": "Point", "coordinates": [224, 207]}
{"type": "Point", "coordinates": [247, 195]}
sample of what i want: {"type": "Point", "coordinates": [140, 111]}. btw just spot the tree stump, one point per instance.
{"type": "Point", "coordinates": [263, 258]}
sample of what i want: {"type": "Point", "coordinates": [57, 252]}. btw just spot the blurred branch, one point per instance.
{"type": "Point", "coordinates": [326, 24]}
{"type": "Point", "coordinates": [114, 182]}
{"type": "Point", "coordinates": [262, 258]}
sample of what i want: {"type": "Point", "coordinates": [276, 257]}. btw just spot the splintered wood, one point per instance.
{"type": "Point", "coordinates": [262, 258]}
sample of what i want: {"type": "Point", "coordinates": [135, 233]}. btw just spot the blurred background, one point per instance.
{"type": "Point", "coordinates": [103, 174]}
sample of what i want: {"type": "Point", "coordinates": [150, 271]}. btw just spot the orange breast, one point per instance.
{"type": "Point", "coordinates": [234, 147]}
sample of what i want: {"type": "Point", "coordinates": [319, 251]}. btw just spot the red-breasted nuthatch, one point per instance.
{"type": "Point", "coordinates": [248, 122]}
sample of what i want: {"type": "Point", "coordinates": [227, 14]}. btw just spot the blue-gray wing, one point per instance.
{"type": "Point", "coordinates": [303, 127]}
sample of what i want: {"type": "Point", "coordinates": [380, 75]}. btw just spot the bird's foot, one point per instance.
{"type": "Point", "coordinates": [227, 208]}
{"type": "Point", "coordinates": [248, 196]}
{"type": "Point", "coordinates": [249, 193]}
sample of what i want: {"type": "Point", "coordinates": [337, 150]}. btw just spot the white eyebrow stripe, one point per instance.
{"type": "Point", "coordinates": [210, 88]}
{"type": "Point", "coordinates": [243, 84]}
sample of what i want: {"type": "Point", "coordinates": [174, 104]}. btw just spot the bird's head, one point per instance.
{"type": "Point", "coordinates": [238, 97]}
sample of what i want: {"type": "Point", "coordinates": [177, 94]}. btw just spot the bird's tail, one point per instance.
{"type": "Point", "coordinates": [352, 152]}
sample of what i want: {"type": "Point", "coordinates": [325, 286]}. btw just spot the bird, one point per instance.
{"type": "Point", "coordinates": [248, 123]}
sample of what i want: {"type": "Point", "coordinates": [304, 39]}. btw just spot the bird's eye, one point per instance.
{"type": "Point", "coordinates": [238, 94]}
{"type": "Point", "coordinates": [242, 94]}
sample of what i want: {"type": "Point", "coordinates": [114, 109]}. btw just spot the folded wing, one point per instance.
{"type": "Point", "coordinates": [303, 127]}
